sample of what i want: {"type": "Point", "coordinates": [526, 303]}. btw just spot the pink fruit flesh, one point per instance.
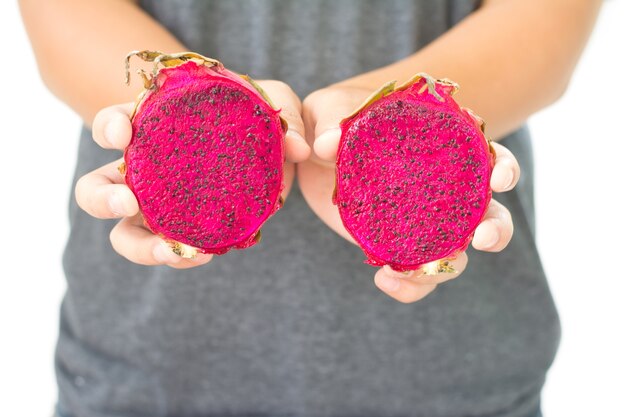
{"type": "Point", "coordinates": [205, 160]}
{"type": "Point", "coordinates": [412, 177]}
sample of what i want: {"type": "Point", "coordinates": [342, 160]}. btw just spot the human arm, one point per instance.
{"type": "Point", "coordinates": [511, 58]}
{"type": "Point", "coordinates": [80, 48]}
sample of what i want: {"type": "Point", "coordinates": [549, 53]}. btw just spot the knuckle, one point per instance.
{"type": "Point", "coordinates": [83, 195]}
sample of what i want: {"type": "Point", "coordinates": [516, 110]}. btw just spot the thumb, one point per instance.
{"type": "Point", "coordinates": [284, 98]}
{"type": "Point", "coordinates": [323, 111]}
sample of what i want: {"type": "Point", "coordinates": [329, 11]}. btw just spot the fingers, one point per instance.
{"type": "Point", "coordinates": [102, 193]}
{"type": "Point", "coordinates": [134, 242]}
{"type": "Point", "coordinates": [283, 97]}
{"type": "Point", "coordinates": [322, 112]}
{"type": "Point", "coordinates": [112, 128]}
{"type": "Point", "coordinates": [506, 171]}
{"type": "Point", "coordinates": [495, 231]}
{"type": "Point", "coordinates": [327, 144]}
{"type": "Point", "coordinates": [414, 285]}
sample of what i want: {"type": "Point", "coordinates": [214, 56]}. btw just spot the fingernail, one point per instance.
{"type": "Point", "coordinates": [162, 253]}
{"type": "Point", "coordinates": [330, 134]}
{"type": "Point", "coordinates": [294, 135]}
{"type": "Point", "coordinates": [112, 130]}
{"type": "Point", "coordinates": [389, 283]}
{"type": "Point", "coordinates": [508, 179]}
{"type": "Point", "coordinates": [495, 237]}
{"type": "Point", "coordinates": [115, 205]}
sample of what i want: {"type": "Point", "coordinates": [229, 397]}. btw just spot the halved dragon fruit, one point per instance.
{"type": "Point", "coordinates": [413, 171]}
{"type": "Point", "coordinates": [206, 156]}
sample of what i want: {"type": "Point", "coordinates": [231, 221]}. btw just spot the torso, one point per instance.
{"type": "Point", "coordinates": [295, 325]}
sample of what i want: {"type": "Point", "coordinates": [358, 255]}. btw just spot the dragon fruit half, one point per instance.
{"type": "Point", "coordinates": [206, 156]}
{"type": "Point", "coordinates": [412, 175]}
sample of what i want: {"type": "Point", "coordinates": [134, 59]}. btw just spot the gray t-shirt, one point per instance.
{"type": "Point", "coordinates": [295, 326]}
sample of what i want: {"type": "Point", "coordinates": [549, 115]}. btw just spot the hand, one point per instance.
{"type": "Point", "coordinates": [103, 194]}
{"type": "Point", "coordinates": [322, 112]}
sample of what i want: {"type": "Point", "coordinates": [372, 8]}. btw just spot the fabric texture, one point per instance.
{"type": "Point", "coordinates": [294, 326]}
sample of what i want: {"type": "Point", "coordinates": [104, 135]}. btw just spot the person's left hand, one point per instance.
{"type": "Point", "coordinates": [322, 111]}
{"type": "Point", "coordinates": [103, 193]}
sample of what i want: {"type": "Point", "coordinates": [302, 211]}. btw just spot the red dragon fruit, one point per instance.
{"type": "Point", "coordinates": [206, 156]}
{"type": "Point", "coordinates": [412, 175]}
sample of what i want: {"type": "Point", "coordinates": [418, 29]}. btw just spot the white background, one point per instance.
{"type": "Point", "coordinates": [580, 146]}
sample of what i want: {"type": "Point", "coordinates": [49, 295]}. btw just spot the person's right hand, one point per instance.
{"type": "Point", "coordinates": [103, 194]}
{"type": "Point", "coordinates": [322, 111]}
